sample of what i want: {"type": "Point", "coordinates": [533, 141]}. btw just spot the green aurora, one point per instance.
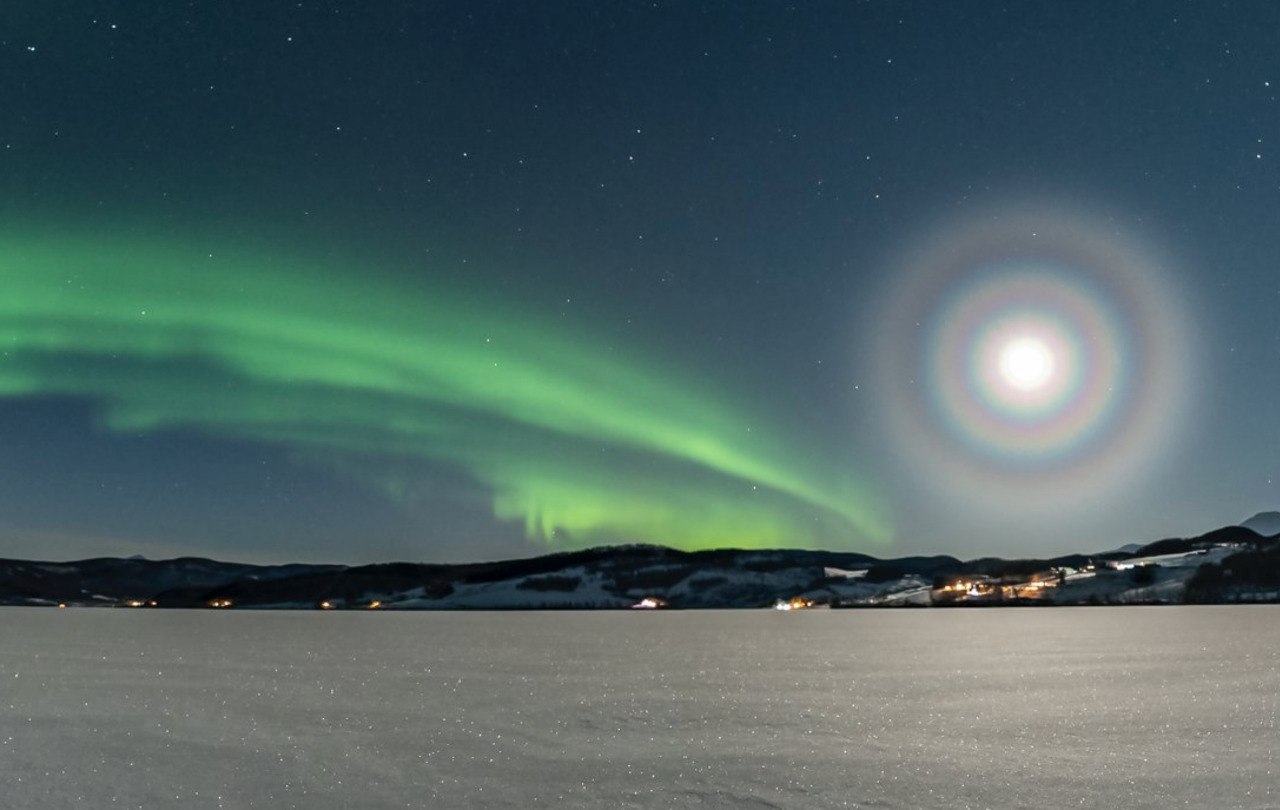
{"type": "Point", "coordinates": [581, 443]}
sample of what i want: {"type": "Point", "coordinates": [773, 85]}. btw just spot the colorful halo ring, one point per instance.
{"type": "Point", "coordinates": [1030, 358]}
{"type": "Point", "coordinates": [1024, 366]}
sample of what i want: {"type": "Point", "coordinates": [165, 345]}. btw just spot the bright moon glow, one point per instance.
{"type": "Point", "coordinates": [1026, 364]}
{"type": "Point", "coordinates": [1032, 352]}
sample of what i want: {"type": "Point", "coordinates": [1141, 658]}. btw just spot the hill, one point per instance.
{"type": "Point", "coordinates": [1230, 564]}
{"type": "Point", "coordinates": [1266, 524]}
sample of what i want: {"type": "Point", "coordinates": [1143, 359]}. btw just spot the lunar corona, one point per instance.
{"type": "Point", "coordinates": [1031, 351]}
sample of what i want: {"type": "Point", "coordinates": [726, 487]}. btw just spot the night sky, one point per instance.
{"type": "Point", "coordinates": [352, 282]}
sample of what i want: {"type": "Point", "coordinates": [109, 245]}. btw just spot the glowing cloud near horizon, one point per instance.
{"type": "Point", "coordinates": [1030, 359]}
{"type": "Point", "coordinates": [579, 442]}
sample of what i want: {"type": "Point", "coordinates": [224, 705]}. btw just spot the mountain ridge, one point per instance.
{"type": "Point", "coordinates": [1266, 524]}
{"type": "Point", "coordinates": [1234, 563]}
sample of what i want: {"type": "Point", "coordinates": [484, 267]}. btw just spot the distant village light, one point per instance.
{"type": "Point", "coordinates": [794, 603]}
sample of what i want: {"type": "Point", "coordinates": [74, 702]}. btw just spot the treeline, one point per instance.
{"type": "Point", "coordinates": [1253, 569]}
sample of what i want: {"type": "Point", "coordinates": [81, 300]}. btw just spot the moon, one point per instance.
{"type": "Point", "coordinates": [1032, 349]}
{"type": "Point", "coordinates": [1026, 364]}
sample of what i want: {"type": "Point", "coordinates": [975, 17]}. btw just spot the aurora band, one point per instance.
{"type": "Point", "coordinates": [583, 444]}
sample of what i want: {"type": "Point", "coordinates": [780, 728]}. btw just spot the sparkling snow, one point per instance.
{"type": "Point", "coordinates": [1089, 707]}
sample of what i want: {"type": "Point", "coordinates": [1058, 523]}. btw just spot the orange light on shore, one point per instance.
{"type": "Point", "coordinates": [794, 603]}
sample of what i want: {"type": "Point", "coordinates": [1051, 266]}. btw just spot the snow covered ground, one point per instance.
{"type": "Point", "coordinates": [1106, 707]}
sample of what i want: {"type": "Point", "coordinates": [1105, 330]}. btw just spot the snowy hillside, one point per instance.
{"type": "Point", "coordinates": [1228, 565]}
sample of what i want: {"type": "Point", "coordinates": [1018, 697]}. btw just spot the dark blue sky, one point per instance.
{"type": "Point", "coordinates": [740, 194]}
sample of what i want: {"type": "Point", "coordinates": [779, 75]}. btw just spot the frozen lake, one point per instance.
{"type": "Point", "coordinates": [1086, 707]}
